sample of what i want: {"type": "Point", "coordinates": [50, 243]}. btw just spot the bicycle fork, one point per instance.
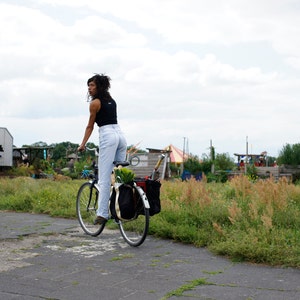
{"type": "Point", "coordinates": [94, 203]}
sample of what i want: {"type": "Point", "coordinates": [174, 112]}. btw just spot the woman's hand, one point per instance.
{"type": "Point", "coordinates": [81, 148]}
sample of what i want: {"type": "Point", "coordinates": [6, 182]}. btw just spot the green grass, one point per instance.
{"type": "Point", "coordinates": [189, 286]}
{"type": "Point", "coordinates": [247, 221]}
{"type": "Point", "coordinates": [24, 194]}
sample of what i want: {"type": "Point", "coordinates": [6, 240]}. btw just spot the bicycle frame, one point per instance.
{"type": "Point", "coordinates": [93, 184]}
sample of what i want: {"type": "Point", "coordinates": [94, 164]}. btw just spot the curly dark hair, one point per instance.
{"type": "Point", "coordinates": [103, 85]}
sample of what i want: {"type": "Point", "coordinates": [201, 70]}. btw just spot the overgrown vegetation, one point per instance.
{"type": "Point", "coordinates": [257, 221]}
{"type": "Point", "coordinates": [254, 221]}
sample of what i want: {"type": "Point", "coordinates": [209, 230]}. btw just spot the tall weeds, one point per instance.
{"type": "Point", "coordinates": [258, 222]}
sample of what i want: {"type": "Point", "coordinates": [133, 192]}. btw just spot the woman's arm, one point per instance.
{"type": "Point", "coordinates": [95, 106]}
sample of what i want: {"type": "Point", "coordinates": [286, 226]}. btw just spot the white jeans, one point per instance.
{"type": "Point", "coordinates": [112, 147]}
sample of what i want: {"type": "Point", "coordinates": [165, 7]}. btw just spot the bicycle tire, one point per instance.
{"type": "Point", "coordinates": [86, 207]}
{"type": "Point", "coordinates": [135, 231]}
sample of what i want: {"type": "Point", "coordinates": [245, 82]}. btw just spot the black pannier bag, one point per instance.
{"type": "Point", "coordinates": [153, 195]}
{"type": "Point", "coordinates": [112, 203]}
{"type": "Point", "coordinates": [122, 203]}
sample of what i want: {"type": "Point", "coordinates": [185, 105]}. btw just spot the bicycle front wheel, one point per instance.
{"type": "Point", "coordinates": [86, 207]}
{"type": "Point", "coordinates": [135, 231]}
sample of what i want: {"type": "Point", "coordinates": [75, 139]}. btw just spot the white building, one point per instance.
{"type": "Point", "coordinates": [6, 148]}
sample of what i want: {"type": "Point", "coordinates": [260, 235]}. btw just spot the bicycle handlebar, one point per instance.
{"type": "Point", "coordinates": [90, 149]}
{"type": "Point", "coordinates": [93, 149]}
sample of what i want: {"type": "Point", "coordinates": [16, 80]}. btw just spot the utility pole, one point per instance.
{"type": "Point", "coordinates": [246, 155]}
{"type": "Point", "coordinates": [187, 151]}
{"type": "Point", "coordinates": [183, 154]}
{"type": "Point", "coordinates": [212, 158]}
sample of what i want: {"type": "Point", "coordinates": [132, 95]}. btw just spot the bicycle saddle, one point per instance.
{"type": "Point", "coordinates": [121, 163]}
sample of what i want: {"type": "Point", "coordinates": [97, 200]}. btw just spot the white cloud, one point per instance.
{"type": "Point", "coordinates": [169, 76]}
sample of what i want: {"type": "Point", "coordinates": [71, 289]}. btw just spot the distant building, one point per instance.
{"type": "Point", "coordinates": [6, 148]}
{"type": "Point", "coordinates": [143, 164]}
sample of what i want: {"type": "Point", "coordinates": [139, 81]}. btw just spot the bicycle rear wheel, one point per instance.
{"type": "Point", "coordinates": [135, 231]}
{"type": "Point", "coordinates": [86, 207]}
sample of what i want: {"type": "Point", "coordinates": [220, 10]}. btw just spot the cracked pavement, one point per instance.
{"type": "Point", "coordinates": [51, 258]}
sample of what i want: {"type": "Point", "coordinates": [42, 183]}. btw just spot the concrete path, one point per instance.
{"type": "Point", "coordinates": [51, 258]}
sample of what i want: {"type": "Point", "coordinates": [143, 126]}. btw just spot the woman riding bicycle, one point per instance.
{"type": "Point", "coordinates": [112, 143]}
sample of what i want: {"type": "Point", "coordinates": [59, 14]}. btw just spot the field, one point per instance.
{"type": "Point", "coordinates": [247, 221]}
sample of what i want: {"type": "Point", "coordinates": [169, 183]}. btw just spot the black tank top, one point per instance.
{"type": "Point", "coordinates": [107, 113]}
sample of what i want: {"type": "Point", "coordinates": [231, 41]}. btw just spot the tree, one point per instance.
{"type": "Point", "coordinates": [224, 162]}
{"type": "Point", "coordinates": [194, 165]}
{"type": "Point", "coordinates": [290, 155]}
{"type": "Point", "coordinates": [59, 151]}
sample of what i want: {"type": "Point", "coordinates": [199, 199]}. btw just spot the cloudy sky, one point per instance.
{"type": "Point", "coordinates": [193, 70]}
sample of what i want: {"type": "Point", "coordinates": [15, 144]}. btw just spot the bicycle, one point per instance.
{"type": "Point", "coordinates": [86, 173]}
{"type": "Point", "coordinates": [134, 231]}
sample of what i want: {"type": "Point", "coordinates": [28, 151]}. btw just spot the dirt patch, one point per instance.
{"type": "Point", "coordinates": [14, 252]}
